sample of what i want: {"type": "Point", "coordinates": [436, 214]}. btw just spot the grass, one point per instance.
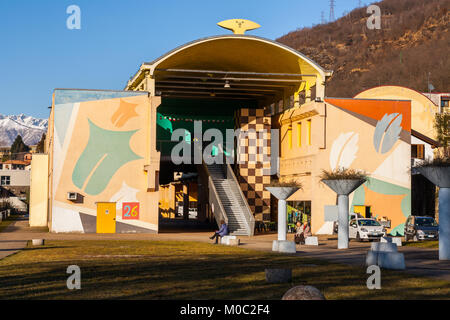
{"type": "Point", "coordinates": [422, 244]}
{"type": "Point", "coordinates": [5, 223]}
{"type": "Point", "coordinates": [188, 270]}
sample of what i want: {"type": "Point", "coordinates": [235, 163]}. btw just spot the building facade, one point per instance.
{"type": "Point", "coordinates": [109, 153]}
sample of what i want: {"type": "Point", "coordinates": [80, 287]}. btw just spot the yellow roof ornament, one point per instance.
{"type": "Point", "coordinates": [238, 26]}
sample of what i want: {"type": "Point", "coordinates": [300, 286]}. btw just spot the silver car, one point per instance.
{"type": "Point", "coordinates": [366, 229]}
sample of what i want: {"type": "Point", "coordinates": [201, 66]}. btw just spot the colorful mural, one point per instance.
{"type": "Point", "coordinates": [364, 134]}
{"type": "Point", "coordinates": [99, 153]}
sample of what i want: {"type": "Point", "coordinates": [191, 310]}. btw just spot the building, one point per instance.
{"type": "Point", "coordinates": [15, 182]}
{"type": "Point", "coordinates": [109, 165]}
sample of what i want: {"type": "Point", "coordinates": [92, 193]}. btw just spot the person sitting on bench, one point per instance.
{"type": "Point", "coordinates": [303, 232]}
{"type": "Point", "coordinates": [223, 231]}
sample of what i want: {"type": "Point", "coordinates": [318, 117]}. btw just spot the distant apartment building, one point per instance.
{"type": "Point", "coordinates": [441, 100]}
{"type": "Point", "coordinates": [15, 176]}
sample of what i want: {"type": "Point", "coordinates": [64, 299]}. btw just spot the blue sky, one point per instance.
{"type": "Point", "coordinates": [38, 53]}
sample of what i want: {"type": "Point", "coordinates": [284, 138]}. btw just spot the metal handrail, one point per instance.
{"type": "Point", "coordinates": [249, 218]}
{"type": "Point", "coordinates": [215, 199]}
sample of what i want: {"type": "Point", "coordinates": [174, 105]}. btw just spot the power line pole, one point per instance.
{"type": "Point", "coordinates": [332, 4]}
{"type": "Point", "coordinates": [322, 18]}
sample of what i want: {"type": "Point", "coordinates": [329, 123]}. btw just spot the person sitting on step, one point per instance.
{"type": "Point", "coordinates": [222, 232]}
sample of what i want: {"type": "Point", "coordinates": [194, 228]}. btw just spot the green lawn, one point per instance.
{"type": "Point", "coordinates": [6, 223]}
{"type": "Point", "coordinates": [422, 244]}
{"type": "Point", "coordinates": [188, 270]}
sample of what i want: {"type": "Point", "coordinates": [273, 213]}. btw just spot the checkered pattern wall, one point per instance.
{"type": "Point", "coordinates": [253, 170]}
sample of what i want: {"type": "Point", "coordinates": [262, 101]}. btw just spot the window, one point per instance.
{"type": "Point", "coordinates": [418, 151]}
{"type": "Point", "coordinates": [299, 134]}
{"type": "Point", "coordinates": [5, 180]}
{"type": "Point", "coordinates": [309, 131]}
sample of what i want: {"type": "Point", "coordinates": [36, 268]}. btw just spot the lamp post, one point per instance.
{"type": "Point", "coordinates": [343, 187]}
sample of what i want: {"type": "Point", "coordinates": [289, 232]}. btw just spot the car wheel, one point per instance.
{"type": "Point", "coordinates": [358, 238]}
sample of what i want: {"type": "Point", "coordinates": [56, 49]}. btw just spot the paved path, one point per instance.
{"type": "Point", "coordinates": [419, 261]}
{"type": "Point", "coordinates": [11, 246]}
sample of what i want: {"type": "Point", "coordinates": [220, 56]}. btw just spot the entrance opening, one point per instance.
{"type": "Point", "coordinates": [227, 82]}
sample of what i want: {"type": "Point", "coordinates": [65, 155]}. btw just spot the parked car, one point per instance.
{"type": "Point", "coordinates": [366, 229]}
{"type": "Point", "coordinates": [421, 228]}
{"type": "Point", "coordinates": [352, 216]}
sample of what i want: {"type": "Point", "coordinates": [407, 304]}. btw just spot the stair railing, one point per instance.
{"type": "Point", "coordinates": [248, 215]}
{"type": "Point", "coordinates": [214, 199]}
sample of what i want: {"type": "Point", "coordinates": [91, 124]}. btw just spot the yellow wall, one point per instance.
{"type": "Point", "coordinates": [39, 191]}
{"type": "Point", "coordinates": [343, 138]}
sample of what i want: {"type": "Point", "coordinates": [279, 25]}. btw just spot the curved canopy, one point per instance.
{"type": "Point", "coordinates": [238, 53]}
{"type": "Point", "coordinates": [240, 61]}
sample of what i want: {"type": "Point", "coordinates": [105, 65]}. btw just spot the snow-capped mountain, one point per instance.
{"type": "Point", "coordinates": [31, 129]}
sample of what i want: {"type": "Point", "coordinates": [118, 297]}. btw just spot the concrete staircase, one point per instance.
{"type": "Point", "coordinates": [231, 199]}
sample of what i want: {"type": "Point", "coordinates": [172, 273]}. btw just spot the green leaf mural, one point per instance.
{"type": "Point", "coordinates": [104, 154]}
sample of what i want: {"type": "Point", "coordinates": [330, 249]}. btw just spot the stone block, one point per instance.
{"type": "Point", "coordinates": [386, 260]}
{"type": "Point", "coordinates": [303, 293]}
{"type": "Point", "coordinates": [287, 247]}
{"type": "Point", "coordinates": [391, 260]}
{"type": "Point", "coordinates": [226, 240]}
{"type": "Point", "coordinates": [37, 242]}
{"type": "Point", "coordinates": [312, 241]}
{"type": "Point", "coordinates": [396, 240]}
{"type": "Point", "coordinates": [278, 275]}
{"type": "Point", "coordinates": [384, 246]}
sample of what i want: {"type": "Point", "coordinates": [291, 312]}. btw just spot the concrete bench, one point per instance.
{"type": "Point", "coordinates": [386, 260]}
{"type": "Point", "coordinates": [230, 241]}
{"type": "Point", "coordinates": [278, 275]}
{"type": "Point", "coordinates": [396, 240]}
{"type": "Point", "coordinates": [37, 242]}
{"type": "Point", "coordinates": [312, 241]}
{"type": "Point", "coordinates": [284, 246]}
{"type": "Point", "coordinates": [384, 246]}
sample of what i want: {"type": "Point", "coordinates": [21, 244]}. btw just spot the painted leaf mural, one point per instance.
{"type": "Point", "coordinates": [125, 194]}
{"type": "Point", "coordinates": [343, 151]}
{"type": "Point", "coordinates": [387, 132]}
{"type": "Point", "coordinates": [104, 154]}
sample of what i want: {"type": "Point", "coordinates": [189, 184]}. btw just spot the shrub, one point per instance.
{"type": "Point", "coordinates": [344, 174]}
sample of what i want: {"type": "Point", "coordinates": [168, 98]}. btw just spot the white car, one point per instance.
{"type": "Point", "coordinates": [366, 229]}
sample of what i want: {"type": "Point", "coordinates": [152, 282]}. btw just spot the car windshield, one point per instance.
{"type": "Point", "coordinates": [368, 223]}
{"type": "Point", "coordinates": [426, 222]}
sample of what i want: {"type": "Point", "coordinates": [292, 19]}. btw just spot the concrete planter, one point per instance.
{"type": "Point", "coordinates": [440, 176]}
{"type": "Point", "coordinates": [282, 193]}
{"type": "Point", "coordinates": [343, 188]}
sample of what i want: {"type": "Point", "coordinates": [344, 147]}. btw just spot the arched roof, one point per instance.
{"type": "Point", "coordinates": [238, 53]}
{"type": "Point", "coordinates": [238, 57]}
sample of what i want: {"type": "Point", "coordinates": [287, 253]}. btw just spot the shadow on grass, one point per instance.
{"type": "Point", "coordinates": [215, 277]}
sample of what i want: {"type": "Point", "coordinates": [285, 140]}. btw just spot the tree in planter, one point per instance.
{"type": "Point", "coordinates": [282, 191]}
{"type": "Point", "coordinates": [18, 148]}
{"type": "Point", "coordinates": [343, 181]}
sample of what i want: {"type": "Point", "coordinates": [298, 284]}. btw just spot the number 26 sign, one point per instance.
{"type": "Point", "coordinates": [130, 211]}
